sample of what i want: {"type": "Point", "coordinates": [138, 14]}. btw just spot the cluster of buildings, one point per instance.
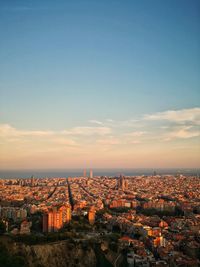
{"type": "Point", "coordinates": [158, 216]}
{"type": "Point", "coordinates": [14, 213]}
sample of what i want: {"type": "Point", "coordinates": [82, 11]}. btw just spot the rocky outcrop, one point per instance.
{"type": "Point", "coordinates": [58, 254]}
{"type": "Point", "coordinates": [63, 253]}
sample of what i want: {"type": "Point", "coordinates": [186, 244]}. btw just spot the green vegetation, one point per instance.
{"type": "Point", "coordinates": [2, 228]}
{"type": "Point", "coordinates": [34, 239]}
{"type": "Point", "coordinates": [103, 211]}
{"type": "Point", "coordinates": [78, 224]}
{"type": "Point", "coordinates": [36, 219]}
{"type": "Point", "coordinates": [8, 260]}
{"type": "Point", "coordinates": [101, 259]}
{"type": "Point", "coordinates": [160, 213]}
{"type": "Point", "coordinates": [112, 237]}
{"type": "Point", "coordinates": [120, 209]}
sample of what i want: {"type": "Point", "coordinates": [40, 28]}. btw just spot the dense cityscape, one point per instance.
{"type": "Point", "coordinates": [99, 133]}
{"type": "Point", "coordinates": [141, 220]}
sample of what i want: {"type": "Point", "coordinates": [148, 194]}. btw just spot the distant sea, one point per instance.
{"type": "Point", "coordinates": [96, 172]}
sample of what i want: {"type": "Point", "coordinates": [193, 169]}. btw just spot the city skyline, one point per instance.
{"type": "Point", "coordinates": [94, 84]}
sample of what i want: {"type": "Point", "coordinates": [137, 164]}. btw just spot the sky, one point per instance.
{"type": "Point", "coordinates": [99, 84]}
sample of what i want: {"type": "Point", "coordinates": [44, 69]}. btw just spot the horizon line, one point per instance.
{"type": "Point", "coordinates": [97, 168]}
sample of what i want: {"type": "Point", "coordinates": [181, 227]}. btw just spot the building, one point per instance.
{"type": "Point", "coordinates": [91, 174]}
{"type": "Point", "coordinates": [54, 218]}
{"type": "Point", "coordinates": [91, 215]}
{"type": "Point", "coordinates": [66, 214]}
{"type": "Point", "coordinates": [122, 183]}
{"type": "Point", "coordinates": [52, 221]}
{"type": "Point", "coordinates": [32, 181]}
{"type": "Point", "coordinates": [84, 173]}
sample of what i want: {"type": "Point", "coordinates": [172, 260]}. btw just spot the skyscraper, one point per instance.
{"type": "Point", "coordinates": [122, 183]}
{"type": "Point", "coordinates": [84, 173]}
{"type": "Point", "coordinates": [32, 181]}
{"type": "Point", "coordinates": [91, 174]}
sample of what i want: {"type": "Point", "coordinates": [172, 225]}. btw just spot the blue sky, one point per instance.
{"type": "Point", "coordinates": [65, 63]}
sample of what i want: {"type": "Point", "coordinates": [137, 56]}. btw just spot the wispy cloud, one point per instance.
{"type": "Point", "coordinates": [64, 141]}
{"type": "Point", "coordinates": [138, 139]}
{"type": "Point", "coordinates": [123, 123]}
{"type": "Point", "coordinates": [96, 122]}
{"type": "Point", "coordinates": [191, 115]}
{"type": "Point", "coordinates": [161, 126]}
{"type": "Point", "coordinates": [111, 140]}
{"type": "Point", "coordinates": [135, 134]}
{"type": "Point", "coordinates": [183, 132]}
{"type": "Point", "coordinates": [88, 131]}
{"type": "Point", "coordinates": [11, 134]}
{"type": "Point", "coordinates": [109, 120]}
{"type": "Point", "coordinates": [122, 139]}
{"type": "Point", "coordinates": [7, 130]}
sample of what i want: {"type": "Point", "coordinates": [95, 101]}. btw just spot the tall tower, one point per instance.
{"type": "Point", "coordinates": [126, 184]}
{"type": "Point", "coordinates": [122, 184]}
{"type": "Point", "coordinates": [32, 181]}
{"type": "Point", "coordinates": [91, 174]}
{"type": "Point", "coordinates": [84, 173]}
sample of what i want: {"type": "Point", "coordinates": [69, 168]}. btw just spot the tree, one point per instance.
{"type": "Point", "coordinates": [2, 228]}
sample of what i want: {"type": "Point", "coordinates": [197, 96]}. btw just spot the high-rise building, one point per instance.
{"type": "Point", "coordinates": [91, 174]}
{"type": "Point", "coordinates": [54, 219]}
{"type": "Point", "coordinates": [122, 183]}
{"type": "Point", "coordinates": [91, 215]}
{"type": "Point", "coordinates": [66, 214]}
{"type": "Point", "coordinates": [32, 181]}
{"type": "Point", "coordinates": [126, 184]}
{"type": "Point", "coordinates": [84, 173]}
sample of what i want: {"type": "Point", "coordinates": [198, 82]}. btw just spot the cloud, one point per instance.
{"type": "Point", "coordinates": [88, 131]}
{"type": "Point", "coordinates": [135, 134]}
{"type": "Point", "coordinates": [64, 141]}
{"type": "Point", "coordinates": [122, 139]}
{"type": "Point", "coordinates": [96, 122]}
{"type": "Point", "coordinates": [135, 142]}
{"type": "Point", "coordinates": [111, 140]}
{"type": "Point", "coordinates": [182, 116]}
{"type": "Point", "coordinates": [170, 125]}
{"type": "Point", "coordinates": [11, 134]}
{"type": "Point", "coordinates": [178, 124]}
{"type": "Point", "coordinates": [184, 132]}
{"type": "Point", "coordinates": [122, 123]}
{"type": "Point", "coordinates": [8, 131]}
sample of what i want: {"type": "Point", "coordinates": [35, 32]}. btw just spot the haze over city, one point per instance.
{"type": "Point", "coordinates": [96, 84]}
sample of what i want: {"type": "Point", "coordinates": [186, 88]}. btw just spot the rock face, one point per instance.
{"type": "Point", "coordinates": [58, 254]}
